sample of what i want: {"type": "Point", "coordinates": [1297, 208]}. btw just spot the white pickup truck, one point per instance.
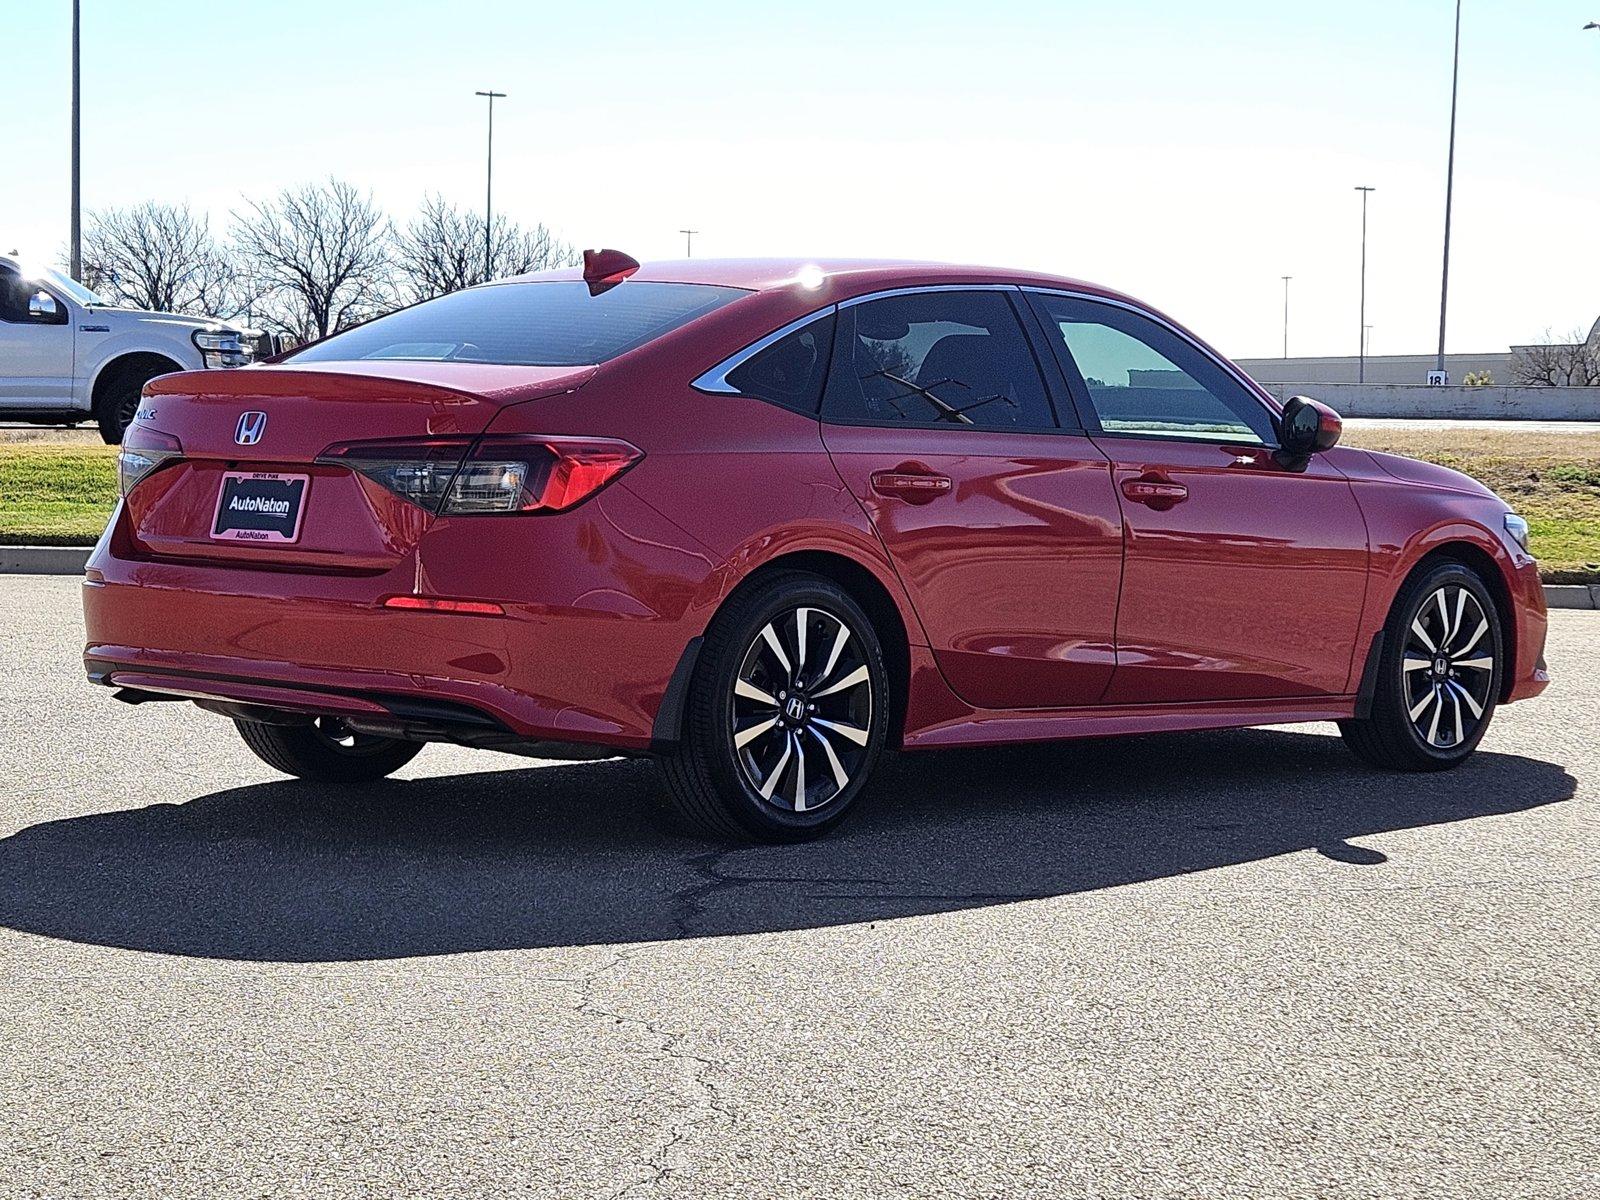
{"type": "Point", "coordinates": [65, 354]}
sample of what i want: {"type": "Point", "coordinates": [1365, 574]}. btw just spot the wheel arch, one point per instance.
{"type": "Point", "coordinates": [124, 362]}
{"type": "Point", "coordinates": [863, 585]}
{"type": "Point", "coordinates": [1484, 565]}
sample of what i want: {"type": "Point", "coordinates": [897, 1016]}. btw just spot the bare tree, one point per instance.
{"type": "Point", "coordinates": [160, 257]}
{"type": "Point", "coordinates": [1573, 363]}
{"type": "Point", "coordinates": [318, 256]}
{"type": "Point", "coordinates": [441, 250]}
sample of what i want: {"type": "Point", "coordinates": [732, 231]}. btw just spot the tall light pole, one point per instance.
{"type": "Point", "coordinates": [1449, 191]}
{"type": "Point", "coordinates": [688, 241]}
{"type": "Point", "coordinates": [77, 197]}
{"type": "Point", "coordinates": [1286, 279]}
{"type": "Point", "coordinates": [488, 189]}
{"type": "Point", "coordinates": [1361, 376]}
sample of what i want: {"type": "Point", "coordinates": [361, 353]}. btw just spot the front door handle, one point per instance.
{"type": "Point", "coordinates": [918, 485]}
{"type": "Point", "coordinates": [1154, 491]}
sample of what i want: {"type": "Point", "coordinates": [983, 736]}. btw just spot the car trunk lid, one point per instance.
{"type": "Point", "coordinates": [251, 439]}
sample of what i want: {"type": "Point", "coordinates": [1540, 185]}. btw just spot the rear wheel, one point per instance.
{"type": "Point", "coordinates": [787, 713]}
{"type": "Point", "coordinates": [1439, 675]}
{"type": "Point", "coordinates": [326, 750]}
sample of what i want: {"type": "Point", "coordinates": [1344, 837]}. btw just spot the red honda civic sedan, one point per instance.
{"type": "Point", "coordinates": [762, 520]}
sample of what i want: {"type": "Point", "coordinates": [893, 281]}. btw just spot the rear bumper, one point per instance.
{"type": "Point", "coordinates": [584, 653]}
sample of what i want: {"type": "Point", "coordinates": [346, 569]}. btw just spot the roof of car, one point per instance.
{"type": "Point", "coordinates": [863, 274]}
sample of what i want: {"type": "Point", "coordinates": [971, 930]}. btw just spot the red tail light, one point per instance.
{"type": "Point", "coordinates": [482, 608]}
{"type": "Point", "coordinates": [489, 475]}
{"type": "Point", "coordinates": [143, 450]}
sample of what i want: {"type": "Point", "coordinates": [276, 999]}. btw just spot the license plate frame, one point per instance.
{"type": "Point", "coordinates": [247, 507]}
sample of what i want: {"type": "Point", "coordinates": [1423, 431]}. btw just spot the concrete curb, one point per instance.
{"type": "Point", "coordinates": [69, 560]}
{"type": "Point", "coordinates": [43, 560]}
{"type": "Point", "coordinates": [1572, 595]}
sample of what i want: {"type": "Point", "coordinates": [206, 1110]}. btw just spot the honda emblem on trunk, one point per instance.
{"type": "Point", "coordinates": [251, 426]}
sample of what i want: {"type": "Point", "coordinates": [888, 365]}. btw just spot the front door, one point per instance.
{"type": "Point", "coordinates": [1003, 524]}
{"type": "Point", "coordinates": [35, 345]}
{"type": "Point", "coordinates": [1243, 579]}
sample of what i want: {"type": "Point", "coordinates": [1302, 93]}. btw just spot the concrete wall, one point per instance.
{"type": "Point", "coordinates": [1513, 403]}
{"type": "Point", "coordinates": [1383, 368]}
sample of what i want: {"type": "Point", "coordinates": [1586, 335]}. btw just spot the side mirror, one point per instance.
{"type": "Point", "coordinates": [1306, 427]}
{"type": "Point", "coordinates": [41, 304]}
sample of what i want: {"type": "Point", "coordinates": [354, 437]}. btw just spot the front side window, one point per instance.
{"type": "Point", "coordinates": [935, 360]}
{"type": "Point", "coordinates": [791, 371]}
{"type": "Point", "coordinates": [1145, 380]}
{"type": "Point", "coordinates": [24, 302]}
{"type": "Point", "coordinates": [555, 324]}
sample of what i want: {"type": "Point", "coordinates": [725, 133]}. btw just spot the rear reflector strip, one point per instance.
{"type": "Point", "coordinates": [434, 604]}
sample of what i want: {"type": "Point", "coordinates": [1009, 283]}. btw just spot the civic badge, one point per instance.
{"type": "Point", "coordinates": [250, 428]}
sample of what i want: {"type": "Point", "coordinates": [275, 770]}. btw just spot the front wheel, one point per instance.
{"type": "Point", "coordinates": [787, 713]}
{"type": "Point", "coordinates": [1438, 677]}
{"type": "Point", "coordinates": [326, 750]}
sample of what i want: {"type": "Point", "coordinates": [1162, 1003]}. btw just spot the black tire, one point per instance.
{"type": "Point", "coordinates": [1433, 674]}
{"type": "Point", "coordinates": [804, 746]}
{"type": "Point", "coordinates": [117, 397]}
{"type": "Point", "coordinates": [326, 751]}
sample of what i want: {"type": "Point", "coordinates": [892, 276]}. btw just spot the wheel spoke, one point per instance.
{"type": "Point", "coordinates": [745, 736]}
{"type": "Point", "coordinates": [800, 615]}
{"type": "Point", "coordinates": [1444, 617]}
{"type": "Point", "coordinates": [840, 775]}
{"type": "Point", "coordinates": [771, 636]}
{"type": "Point", "coordinates": [855, 679]}
{"type": "Point", "coordinates": [1433, 725]}
{"type": "Point", "coordinates": [1477, 709]}
{"type": "Point", "coordinates": [1483, 627]}
{"type": "Point", "coordinates": [1412, 663]}
{"type": "Point", "coordinates": [1420, 706]}
{"type": "Point", "coordinates": [800, 773]}
{"type": "Point", "coordinates": [839, 639]}
{"type": "Point", "coordinates": [771, 781]}
{"type": "Point", "coordinates": [751, 692]}
{"type": "Point", "coordinates": [1477, 664]}
{"type": "Point", "coordinates": [1455, 624]}
{"type": "Point", "coordinates": [858, 736]}
{"type": "Point", "coordinates": [1422, 635]}
{"type": "Point", "coordinates": [1460, 729]}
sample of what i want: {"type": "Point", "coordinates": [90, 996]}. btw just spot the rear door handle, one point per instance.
{"type": "Point", "coordinates": [907, 483]}
{"type": "Point", "coordinates": [1157, 493]}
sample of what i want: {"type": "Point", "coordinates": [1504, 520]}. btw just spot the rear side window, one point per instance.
{"type": "Point", "coordinates": [936, 360]}
{"type": "Point", "coordinates": [791, 371]}
{"type": "Point", "coordinates": [557, 324]}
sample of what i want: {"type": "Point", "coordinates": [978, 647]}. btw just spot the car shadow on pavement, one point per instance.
{"type": "Point", "coordinates": [581, 854]}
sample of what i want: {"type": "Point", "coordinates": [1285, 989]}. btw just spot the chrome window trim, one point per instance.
{"type": "Point", "coordinates": [1249, 385]}
{"type": "Point", "coordinates": [715, 381]}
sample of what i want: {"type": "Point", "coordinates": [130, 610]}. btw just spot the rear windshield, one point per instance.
{"type": "Point", "coordinates": [557, 324]}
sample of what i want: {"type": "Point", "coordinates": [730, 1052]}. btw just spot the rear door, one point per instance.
{"type": "Point", "coordinates": [1002, 522]}
{"type": "Point", "coordinates": [1243, 579]}
{"type": "Point", "coordinates": [36, 335]}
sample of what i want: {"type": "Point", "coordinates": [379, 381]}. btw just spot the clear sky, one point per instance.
{"type": "Point", "coordinates": [1189, 153]}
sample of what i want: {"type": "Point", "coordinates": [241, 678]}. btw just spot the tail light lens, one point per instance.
{"type": "Point", "coordinates": [490, 475]}
{"type": "Point", "coordinates": [143, 450]}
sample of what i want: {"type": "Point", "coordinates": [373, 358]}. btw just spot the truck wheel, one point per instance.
{"type": "Point", "coordinates": [116, 393]}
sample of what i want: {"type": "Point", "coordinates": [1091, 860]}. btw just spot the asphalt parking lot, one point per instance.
{"type": "Point", "coordinates": [1231, 964]}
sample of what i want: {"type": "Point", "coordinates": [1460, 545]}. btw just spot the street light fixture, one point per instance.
{"type": "Point", "coordinates": [1449, 194]}
{"type": "Point", "coordinates": [488, 189]}
{"type": "Point", "coordinates": [688, 241]}
{"type": "Point", "coordinates": [1361, 340]}
{"type": "Point", "coordinates": [1286, 279]}
{"type": "Point", "coordinates": [77, 198]}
